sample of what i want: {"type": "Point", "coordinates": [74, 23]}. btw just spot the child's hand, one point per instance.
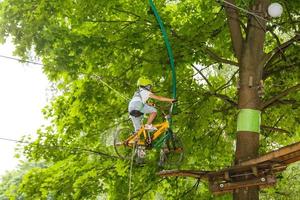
{"type": "Point", "coordinates": [173, 101]}
{"type": "Point", "coordinates": [151, 104]}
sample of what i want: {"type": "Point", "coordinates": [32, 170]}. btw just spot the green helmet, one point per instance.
{"type": "Point", "coordinates": [143, 81]}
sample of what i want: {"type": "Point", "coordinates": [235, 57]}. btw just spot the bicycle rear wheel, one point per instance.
{"type": "Point", "coordinates": [172, 152]}
{"type": "Point", "coordinates": [122, 148]}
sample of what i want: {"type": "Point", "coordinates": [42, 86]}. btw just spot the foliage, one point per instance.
{"type": "Point", "coordinates": [11, 181]}
{"type": "Point", "coordinates": [118, 41]}
{"type": "Point", "coordinates": [287, 187]}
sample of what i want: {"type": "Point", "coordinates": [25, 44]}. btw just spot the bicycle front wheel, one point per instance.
{"type": "Point", "coordinates": [172, 152]}
{"type": "Point", "coordinates": [122, 148]}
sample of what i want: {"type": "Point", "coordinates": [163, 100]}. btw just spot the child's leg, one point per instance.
{"type": "Point", "coordinates": [136, 122]}
{"type": "Point", "coordinates": [149, 110]}
{"type": "Point", "coordinates": [135, 105]}
{"type": "Point", "coordinates": [151, 118]}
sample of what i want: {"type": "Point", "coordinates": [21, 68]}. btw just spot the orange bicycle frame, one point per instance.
{"type": "Point", "coordinates": [142, 133]}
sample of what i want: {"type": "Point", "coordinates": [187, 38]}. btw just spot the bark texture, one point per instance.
{"type": "Point", "coordinates": [249, 52]}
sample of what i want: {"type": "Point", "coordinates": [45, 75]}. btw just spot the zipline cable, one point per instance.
{"type": "Point", "coordinates": [83, 150]}
{"type": "Point", "coordinates": [116, 91]}
{"type": "Point", "coordinates": [97, 77]}
{"type": "Point", "coordinates": [21, 60]}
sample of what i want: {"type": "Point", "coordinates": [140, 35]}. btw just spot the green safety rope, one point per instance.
{"type": "Point", "coordinates": [171, 58]}
{"type": "Point", "coordinates": [169, 49]}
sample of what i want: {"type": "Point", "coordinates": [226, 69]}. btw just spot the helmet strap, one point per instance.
{"type": "Point", "coordinates": [148, 87]}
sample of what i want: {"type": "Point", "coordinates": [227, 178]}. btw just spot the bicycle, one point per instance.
{"type": "Point", "coordinates": [170, 146]}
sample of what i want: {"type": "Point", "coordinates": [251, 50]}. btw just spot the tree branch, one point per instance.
{"type": "Point", "coordinates": [127, 12]}
{"type": "Point", "coordinates": [195, 186]}
{"type": "Point", "coordinates": [140, 196]}
{"type": "Point", "coordinates": [189, 173]}
{"type": "Point", "coordinates": [269, 102]}
{"type": "Point", "coordinates": [274, 129]}
{"type": "Point", "coordinates": [217, 58]}
{"type": "Point", "coordinates": [227, 83]}
{"type": "Point", "coordinates": [213, 92]}
{"type": "Point", "coordinates": [224, 97]}
{"type": "Point", "coordinates": [292, 22]}
{"type": "Point", "coordinates": [278, 69]}
{"type": "Point", "coordinates": [112, 21]}
{"type": "Point", "coordinates": [202, 75]}
{"type": "Point", "coordinates": [235, 29]}
{"type": "Point", "coordinates": [279, 49]}
{"type": "Point", "coordinates": [207, 50]}
{"type": "Point", "coordinates": [292, 102]}
{"type": "Point", "coordinates": [277, 40]}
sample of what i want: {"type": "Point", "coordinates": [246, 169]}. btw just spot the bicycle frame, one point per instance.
{"type": "Point", "coordinates": [143, 133]}
{"type": "Point", "coordinates": [163, 140]}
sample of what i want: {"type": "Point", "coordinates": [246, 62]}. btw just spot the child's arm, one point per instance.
{"type": "Point", "coordinates": [160, 98]}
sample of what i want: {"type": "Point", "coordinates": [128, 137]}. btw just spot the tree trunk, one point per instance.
{"type": "Point", "coordinates": [247, 142]}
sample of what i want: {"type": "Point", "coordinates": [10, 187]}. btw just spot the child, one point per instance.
{"type": "Point", "coordinates": [138, 105]}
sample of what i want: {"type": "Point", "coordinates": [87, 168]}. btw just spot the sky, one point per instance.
{"type": "Point", "coordinates": [23, 93]}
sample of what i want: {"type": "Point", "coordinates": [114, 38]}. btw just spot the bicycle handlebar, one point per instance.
{"type": "Point", "coordinates": [170, 110]}
{"type": "Point", "coordinates": [164, 109]}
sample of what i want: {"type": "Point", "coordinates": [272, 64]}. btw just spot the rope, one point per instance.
{"type": "Point", "coordinates": [116, 91]}
{"type": "Point", "coordinates": [130, 171]}
{"type": "Point", "coordinates": [169, 50]}
{"type": "Point", "coordinates": [168, 46]}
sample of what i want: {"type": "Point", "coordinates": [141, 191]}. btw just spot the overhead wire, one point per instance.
{"type": "Point", "coordinates": [264, 19]}
{"type": "Point", "coordinates": [21, 60]}
{"type": "Point", "coordinates": [83, 150]}
{"type": "Point", "coordinates": [110, 87]}
{"type": "Point", "coordinates": [98, 78]}
{"type": "Point", "coordinates": [251, 13]}
{"type": "Point", "coordinates": [62, 147]}
{"type": "Point", "coordinates": [242, 9]}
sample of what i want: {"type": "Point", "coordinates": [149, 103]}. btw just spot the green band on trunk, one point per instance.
{"type": "Point", "coordinates": [248, 120]}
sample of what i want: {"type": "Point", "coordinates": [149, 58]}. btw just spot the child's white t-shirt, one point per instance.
{"type": "Point", "coordinates": [142, 96]}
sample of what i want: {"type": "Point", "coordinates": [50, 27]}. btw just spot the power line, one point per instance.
{"type": "Point", "coordinates": [83, 150]}
{"type": "Point", "coordinates": [244, 10]}
{"type": "Point", "coordinates": [21, 60]}
{"type": "Point", "coordinates": [12, 140]}
{"type": "Point", "coordinates": [249, 12]}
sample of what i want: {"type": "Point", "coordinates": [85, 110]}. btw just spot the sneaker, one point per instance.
{"type": "Point", "coordinates": [150, 127]}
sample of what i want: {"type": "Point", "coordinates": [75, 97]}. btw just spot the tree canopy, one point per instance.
{"type": "Point", "coordinates": [84, 44]}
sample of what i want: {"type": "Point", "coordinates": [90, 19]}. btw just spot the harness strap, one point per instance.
{"type": "Point", "coordinates": [138, 113]}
